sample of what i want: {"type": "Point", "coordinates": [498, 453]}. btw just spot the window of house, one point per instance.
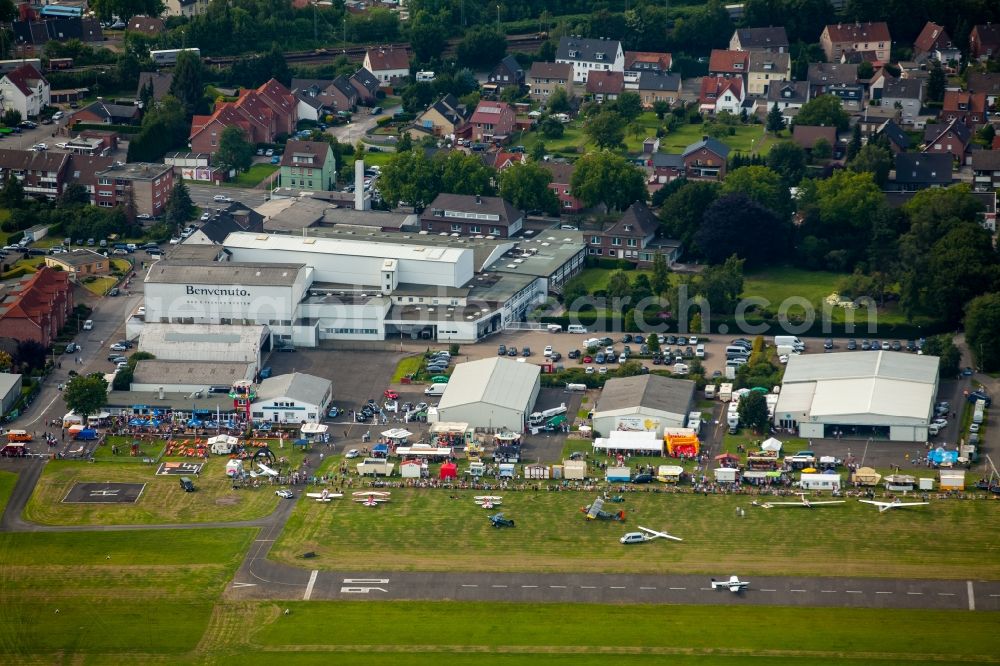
{"type": "Point", "coordinates": [616, 241]}
{"type": "Point", "coordinates": [596, 240]}
{"type": "Point", "coordinates": [474, 228]}
{"type": "Point", "coordinates": [495, 231]}
{"type": "Point", "coordinates": [456, 227]}
{"type": "Point", "coordinates": [632, 242]}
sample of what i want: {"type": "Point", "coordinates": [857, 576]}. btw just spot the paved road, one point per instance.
{"type": "Point", "coordinates": [202, 195]}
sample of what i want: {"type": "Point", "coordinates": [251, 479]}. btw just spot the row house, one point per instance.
{"type": "Point", "coordinates": [654, 87]}
{"type": "Point", "coordinates": [920, 171]}
{"type": "Point", "coordinates": [728, 63]}
{"type": "Point", "coordinates": [763, 40]}
{"type": "Point", "coordinates": [25, 90]}
{"type": "Point", "coordinates": [36, 306]}
{"type": "Point", "coordinates": [647, 61]}
{"type": "Point", "coordinates": [146, 186]}
{"type": "Point", "coordinates": [544, 78]}
{"type": "Point", "coordinates": [965, 107]}
{"type": "Point", "coordinates": [899, 140]}
{"type": "Point", "coordinates": [42, 174]}
{"type": "Point", "coordinates": [986, 170]}
{"type": "Point", "coordinates": [987, 83]}
{"type": "Point", "coordinates": [562, 175]}
{"type": "Point", "coordinates": [844, 39]}
{"type": "Point", "coordinates": [471, 215]}
{"type": "Point", "coordinates": [789, 96]}
{"type": "Point", "coordinates": [934, 43]}
{"type": "Point", "coordinates": [492, 122]}
{"type": "Point", "coordinates": [953, 138]}
{"type": "Point", "coordinates": [262, 113]}
{"type": "Point", "coordinates": [587, 55]}
{"type": "Point", "coordinates": [632, 238]}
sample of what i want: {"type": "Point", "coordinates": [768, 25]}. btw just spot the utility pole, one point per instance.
{"type": "Point", "coordinates": [498, 16]}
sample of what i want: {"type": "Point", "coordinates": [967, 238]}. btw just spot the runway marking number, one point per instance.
{"type": "Point", "coordinates": [363, 585]}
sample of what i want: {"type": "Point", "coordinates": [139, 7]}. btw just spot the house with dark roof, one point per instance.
{"type": "Point", "coordinates": [587, 55]}
{"type": "Point", "coordinates": [986, 170]}
{"type": "Point", "coordinates": [507, 73]}
{"type": "Point", "coordinates": [42, 174]}
{"type": "Point", "coordinates": [605, 85]}
{"type": "Point", "coordinates": [147, 25]}
{"type": "Point", "coordinates": [25, 90]}
{"type": "Point", "coordinates": [728, 63]}
{"type": "Point", "coordinates": [545, 77]}
{"type": "Point", "coordinates": [656, 87]}
{"type": "Point", "coordinates": [905, 95]}
{"type": "Point", "coordinates": [492, 121]}
{"type": "Point", "coordinates": [823, 76]}
{"type": "Point", "coordinates": [984, 41]}
{"type": "Point", "coordinates": [83, 170]}
{"type": "Point", "coordinates": [30, 35]}
{"type": "Point", "coordinates": [667, 167]}
{"type": "Point", "coordinates": [79, 262]}
{"type": "Point", "coordinates": [767, 69]}
{"type": "Point", "coordinates": [807, 136]}
{"type": "Point", "coordinates": [36, 306]}
{"type": "Point", "coordinates": [899, 141]}
{"type": "Point", "coordinates": [308, 165]}
{"type": "Point", "coordinates": [952, 137]}
{"type": "Point", "coordinates": [841, 39]}
{"type": "Point", "coordinates": [787, 95]}
{"type": "Point", "coordinates": [160, 81]}
{"type": "Point", "coordinates": [705, 159]}
{"type": "Point", "coordinates": [105, 113]}
{"type": "Point", "coordinates": [765, 40]}
{"type": "Point", "coordinates": [632, 237]}
{"type": "Point", "coordinates": [366, 84]}
{"type": "Point", "coordinates": [387, 65]}
{"type": "Point", "coordinates": [471, 215]}
{"type": "Point", "coordinates": [562, 175]}
{"type": "Point", "coordinates": [919, 171]}
{"type": "Point", "coordinates": [316, 96]}
{"type": "Point", "coordinates": [445, 117]}
{"type": "Point", "coordinates": [235, 217]}
{"type": "Point", "coordinates": [987, 83]}
{"type": "Point", "coordinates": [965, 107]}
{"type": "Point", "coordinates": [934, 43]}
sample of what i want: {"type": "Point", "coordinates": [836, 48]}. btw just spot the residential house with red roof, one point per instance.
{"type": "Point", "coordinates": [953, 138]}
{"type": "Point", "coordinates": [602, 85]}
{"type": "Point", "coordinates": [846, 39]}
{"type": "Point", "coordinates": [387, 65]}
{"type": "Point", "coordinates": [965, 107]}
{"type": "Point", "coordinates": [36, 306]}
{"type": "Point", "coordinates": [24, 90]}
{"type": "Point", "coordinates": [262, 114]}
{"type": "Point", "coordinates": [934, 43]}
{"type": "Point", "coordinates": [632, 238]}
{"type": "Point", "coordinates": [721, 94]}
{"type": "Point", "coordinates": [42, 174]}
{"type": "Point", "coordinates": [562, 174]}
{"type": "Point", "coordinates": [647, 61]}
{"type": "Point", "coordinates": [728, 63]}
{"type": "Point", "coordinates": [492, 121]}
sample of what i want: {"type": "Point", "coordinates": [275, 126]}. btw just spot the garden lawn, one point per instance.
{"type": "Point", "coordinates": [596, 279]}
{"type": "Point", "coordinates": [101, 285]}
{"type": "Point", "coordinates": [410, 365]}
{"type": "Point", "coordinates": [552, 535]}
{"type": "Point", "coordinates": [253, 176]}
{"type": "Point", "coordinates": [162, 500]}
{"type": "Point", "coordinates": [745, 140]}
{"type": "Point", "coordinates": [594, 634]}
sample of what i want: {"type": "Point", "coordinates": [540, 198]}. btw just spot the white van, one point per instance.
{"type": "Point", "coordinates": [435, 389]}
{"type": "Point", "coordinates": [576, 387]}
{"type": "Point", "coordinates": [789, 340]}
{"type": "Point", "coordinates": [554, 328]}
{"type": "Point", "coordinates": [576, 328]}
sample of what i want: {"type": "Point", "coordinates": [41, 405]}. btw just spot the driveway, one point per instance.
{"type": "Point", "coordinates": [356, 129]}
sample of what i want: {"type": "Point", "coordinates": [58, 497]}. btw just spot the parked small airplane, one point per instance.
{"type": "Point", "coordinates": [646, 535]}
{"type": "Point", "coordinates": [489, 501]}
{"type": "Point", "coordinates": [264, 471]}
{"type": "Point", "coordinates": [803, 502]}
{"type": "Point", "coordinates": [325, 496]}
{"type": "Point", "coordinates": [895, 504]}
{"type": "Point", "coordinates": [497, 520]}
{"type": "Point", "coordinates": [734, 584]}
{"type": "Point", "coordinates": [371, 498]}
{"type": "Point", "coordinates": [595, 510]}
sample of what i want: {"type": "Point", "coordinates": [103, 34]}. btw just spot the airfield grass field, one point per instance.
{"type": "Point", "coordinates": [162, 500]}
{"type": "Point", "coordinates": [7, 481]}
{"type": "Point", "coordinates": [422, 530]}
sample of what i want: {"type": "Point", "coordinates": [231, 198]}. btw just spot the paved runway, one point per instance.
{"type": "Point", "coordinates": [259, 578]}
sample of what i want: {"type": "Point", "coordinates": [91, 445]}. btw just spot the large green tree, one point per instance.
{"type": "Point", "coordinates": [838, 215]}
{"type": "Point", "coordinates": [736, 225]}
{"type": "Point", "coordinates": [789, 160]}
{"type": "Point", "coordinates": [180, 207]}
{"type": "Point", "coordinates": [775, 119]}
{"type": "Point", "coordinates": [823, 110]}
{"type": "Point", "coordinates": [628, 106]}
{"type": "Point", "coordinates": [125, 9]}
{"type": "Point", "coordinates": [427, 35]}
{"type": "Point", "coordinates": [481, 48]}
{"type": "Point", "coordinates": [661, 275]}
{"type": "Point", "coordinates": [463, 173]}
{"type": "Point", "coordinates": [526, 185]}
{"type": "Point", "coordinates": [86, 394]}
{"type": "Point", "coordinates": [760, 184]}
{"type": "Point", "coordinates": [558, 101]}
{"type": "Point", "coordinates": [608, 178]}
{"type": "Point", "coordinates": [411, 179]}
{"type": "Point", "coordinates": [875, 160]}
{"type": "Point", "coordinates": [188, 84]}
{"type": "Point", "coordinates": [753, 412]}
{"type": "Point", "coordinates": [235, 152]}
{"type": "Point", "coordinates": [982, 331]}
{"type": "Point", "coordinates": [683, 211]}
{"type": "Point", "coordinates": [721, 285]}
{"type": "Point", "coordinates": [606, 129]}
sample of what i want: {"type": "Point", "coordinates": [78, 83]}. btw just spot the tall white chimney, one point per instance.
{"type": "Point", "coordinates": [361, 200]}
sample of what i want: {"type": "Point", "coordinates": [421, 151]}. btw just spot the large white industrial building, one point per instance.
{"type": "Point", "coordinates": [496, 393]}
{"type": "Point", "coordinates": [647, 403]}
{"type": "Point", "coordinates": [305, 289]}
{"type": "Point", "coordinates": [887, 395]}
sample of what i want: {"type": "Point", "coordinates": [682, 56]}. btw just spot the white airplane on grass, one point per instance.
{"type": "Point", "coordinates": [895, 504]}
{"type": "Point", "coordinates": [325, 496]}
{"type": "Point", "coordinates": [489, 501]}
{"type": "Point", "coordinates": [803, 502]}
{"type": "Point", "coordinates": [371, 498]}
{"type": "Point", "coordinates": [734, 584]}
{"type": "Point", "coordinates": [646, 535]}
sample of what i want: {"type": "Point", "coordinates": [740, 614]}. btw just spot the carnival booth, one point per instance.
{"type": "Point", "coordinates": [425, 451]}
{"type": "Point", "coordinates": [681, 442]}
{"type": "Point", "coordinates": [669, 473]}
{"type": "Point", "coordinates": [234, 468]}
{"type": "Point", "coordinates": [449, 470]}
{"type": "Point", "coordinates": [728, 459]}
{"type": "Point", "coordinates": [410, 469]}
{"type": "Point", "coordinates": [453, 434]}
{"type": "Point", "coordinates": [726, 474]}
{"type": "Point", "coordinates": [866, 476]}
{"type": "Point", "coordinates": [86, 434]}
{"type": "Point", "coordinates": [771, 444]}
{"type": "Point", "coordinates": [315, 432]}
{"type": "Point", "coordinates": [397, 436]}
{"type": "Point", "coordinates": [575, 469]}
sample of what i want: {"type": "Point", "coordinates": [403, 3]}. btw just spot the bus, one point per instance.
{"type": "Point", "coordinates": [60, 63]}
{"type": "Point", "coordinates": [169, 56]}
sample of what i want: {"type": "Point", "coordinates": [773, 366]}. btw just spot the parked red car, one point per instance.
{"type": "Point", "coordinates": [391, 395]}
{"type": "Point", "coordinates": [587, 359]}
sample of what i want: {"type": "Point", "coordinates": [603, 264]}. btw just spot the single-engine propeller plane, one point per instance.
{"type": "Point", "coordinates": [371, 497]}
{"type": "Point", "coordinates": [498, 520]}
{"type": "Point", "coordinates": [489, 501]}
{"type": "Point", "coordinates": [595, 511]}
{"type": "Point", "coordinates": [734, 584]}
{"type": "Point", "coordinates": [325, 496]}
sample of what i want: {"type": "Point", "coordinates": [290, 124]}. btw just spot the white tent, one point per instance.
{"type": "Point", "coordinates": [397, 433]}
{"type": "Point", "coordinates": [314, 428]}
{"type": "Point", "coordinates": [771, 444]}
{"type": "Point", "coordinates": [223, 439]}
{"type": "Point", "coordinates": [625, 440]}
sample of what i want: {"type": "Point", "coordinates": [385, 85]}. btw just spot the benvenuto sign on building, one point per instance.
{"type": "Point", "coordinates": [215, 291]}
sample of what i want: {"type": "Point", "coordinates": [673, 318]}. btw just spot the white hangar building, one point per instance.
{"type": "Point", "coordinates": [886, 395]}
{"type": "Point", "coordinates": [491, 393]}
{"type": "Point", "coordinates": [646, 403]}
{"type": "Point", "coordinates": [292, 398]}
